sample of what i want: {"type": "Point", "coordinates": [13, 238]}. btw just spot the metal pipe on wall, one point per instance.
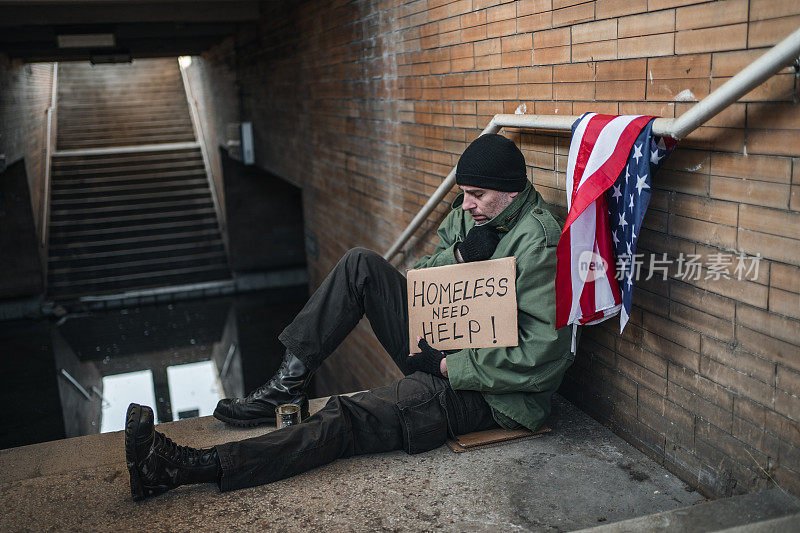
{"type": "Point", "coordinates": [779, 56]}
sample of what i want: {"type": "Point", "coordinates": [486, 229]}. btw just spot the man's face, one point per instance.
{"type": "Point", "coordinates": [485, 204]}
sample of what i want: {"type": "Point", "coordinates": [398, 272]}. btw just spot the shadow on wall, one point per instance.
{"type": "Point", "coordinates": [20, 263]}
{"type": "Point", "coordinates": [264, 218]}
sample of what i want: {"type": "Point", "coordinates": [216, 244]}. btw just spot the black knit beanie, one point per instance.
{"type": "Point", "coordinates": [492, 162]}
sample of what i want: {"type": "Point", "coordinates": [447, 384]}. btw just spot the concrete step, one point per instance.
{"type": "Point", "coordinates": [743, 513]}
{"type": "Point", "coordinates": [91, 163]}
{"type": "Point", "coordinates": [560, 482]}
{"type": "Point", "coordinates": [78, 179]}
{"type": "Point", "coordinates": [152, 207]}
{"type": "Point", "coordinates": [68, 144]}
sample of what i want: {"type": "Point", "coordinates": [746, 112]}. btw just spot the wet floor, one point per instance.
{"type": "Point", "coordinates": [76, 376]}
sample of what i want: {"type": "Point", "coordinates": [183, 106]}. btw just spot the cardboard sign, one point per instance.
{"type": "Point", "coordinates": [469, 305]}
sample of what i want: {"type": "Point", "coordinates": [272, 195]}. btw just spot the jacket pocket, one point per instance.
{"type": "Point", "coordinates": [424, 423]}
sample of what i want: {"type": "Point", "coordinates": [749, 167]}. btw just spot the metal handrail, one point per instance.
{"type": "Point", "coordinates": [50, 132]}
{"type": "Point", "coordinates": [779, 56]}
{"type": "Point", "coordinates": [197, 125]}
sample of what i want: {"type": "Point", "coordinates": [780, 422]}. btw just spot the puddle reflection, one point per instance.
{"type": "Point", "coordinates": [179, 357]}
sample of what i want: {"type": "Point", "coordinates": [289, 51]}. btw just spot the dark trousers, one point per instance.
{"type": "Point", "coordinates": [415, 414]}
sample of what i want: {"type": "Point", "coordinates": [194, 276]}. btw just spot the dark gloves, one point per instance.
{"type": "Point", "coordinates": [428, 360]}
{"type": "Point", "coordinates": [480, 243]}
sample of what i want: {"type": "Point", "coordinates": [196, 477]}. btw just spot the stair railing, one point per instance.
{"type": "Point", "coordinates": [779, 56]}
{"type": "Point", "coordinates": [49, 145]}
{"type": "Point", "coordinates": [197, 125]}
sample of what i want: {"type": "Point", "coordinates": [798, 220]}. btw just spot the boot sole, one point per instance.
{"type": "Point", "coordinates": [132, 420]}
{"type": "Point", "coordinates": [244, 423]}
{"type": "Point", "coordinates": [253, 422]}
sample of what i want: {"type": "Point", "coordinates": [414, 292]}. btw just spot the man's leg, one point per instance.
{"type": "Point", "coordinates": [362, 283]}
{"type": "Point", "coordinates": [415, 414]}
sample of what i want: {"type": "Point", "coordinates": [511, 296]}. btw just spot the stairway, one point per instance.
{"type": "Point", "coordinates": [121, 105]}
{"type": "Point", "coordinates": [130, 202]}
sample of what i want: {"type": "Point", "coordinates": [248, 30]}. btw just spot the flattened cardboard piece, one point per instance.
{"type": "Point", "coordinates": [469, 305]}
{"type": "Point", "coordinates": [493, 437]}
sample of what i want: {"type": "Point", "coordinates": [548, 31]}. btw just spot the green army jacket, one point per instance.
{"type": "Point", "coordinates": [517, 382]}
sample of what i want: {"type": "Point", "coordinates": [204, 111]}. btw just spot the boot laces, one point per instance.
{"type": "Point", "coordinates": [179, 454]}
{"type": "Point", "coordinates": [280, 374]}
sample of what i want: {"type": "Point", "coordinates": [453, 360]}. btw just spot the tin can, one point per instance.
{"type": "Point", "coordinates": [287, 415]}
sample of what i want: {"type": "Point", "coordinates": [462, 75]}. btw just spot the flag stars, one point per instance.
{"type": "Point", "coordinates": [627, 174]}
{"type": "Point", "coordinates": [628, 247]}
{"type": "Point", "coordinates": [622, 222]}
{"type": "Point", "coordinates": [640, 183]}
{"type": "Point", "coordinates": [614, 236]}
{"type": "Point", "coordinates": [631, 204]}
{"type": "Point", "coordinates": [637, 152]}
{"type": "Point", "coordinates": [617, 193]}
{"type": "Point", "coordinates": [654, 157]}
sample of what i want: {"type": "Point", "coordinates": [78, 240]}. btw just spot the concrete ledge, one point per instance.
{"type": "Point", "coordinates": [765, 511]}
{"type": "Point", "coordinates": [570, 479]}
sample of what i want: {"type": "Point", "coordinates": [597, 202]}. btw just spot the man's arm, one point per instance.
{"type": "Point", "coordinates": [445, 252]}
{"type": "Point", "coordinates": [530, 366]}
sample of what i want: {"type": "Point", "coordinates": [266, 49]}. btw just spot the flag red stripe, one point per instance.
{"type": "Point", "coordinates": [607, 174]}
{"type": "Point", "coordinates": [590, 135]}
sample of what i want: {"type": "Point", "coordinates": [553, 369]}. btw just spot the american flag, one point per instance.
{"type": "Point", "coordinates": [628, 199]}
{"type": "Point", "coordinates": [605, 151]}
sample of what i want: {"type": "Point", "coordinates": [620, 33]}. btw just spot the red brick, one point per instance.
{"type": "Point", "coordinates": [620, 90]}
{"type": "Point", "coordinates": [604, 30]}
{"type": "Point", "coordinates": [786, 277]}
{"type": "Point", "coordinates": [679, 67]}
{"type": "Point", "coordinates": [784, 302]}
{"type": "Point", "coordinates": [711, 14]}
{"type": "Point", "coordinates": [551, 38]}
{"type": "Point", "coordinates": [632, 69]}
{"type": "Point", "coordinates": [774, 169]}
{"type": "Point", "coordinates": [647, 24]}
{"type": "Point", "coordinates": [573, 15]}
{"type": "Point", "coordinates": [767, 9]}
{"type": "Point", "coordinates": [539, 21]}
{"type": "Point", "coordinates": [521, 58]}
{"type": "Point", "coordinates": [662, 44]}
{"type": "Point", "coordinates": [504, 27]}
{"type": "Point", "coordinates": [615, 8]}
{"type": "Point", "coordinates": [528, 7]}
{"type": "Point", "coordinates": [732, 37]}
{"type": "Point", "coordinates": [550, 56]}
{"type": "Point", "coordinates": [732, 356]}
{"type": "Point", "coordinates": [517, 42]}
{"type": "Point", "coordinates": [595, 51]}
{"type": "Point", "coordinates": [750, 191]}
{"type": "Point", "coordinates": [501, 12]}
{"type": "Point", "coordinates": [773, 115]}
{"type": "Point", "coordinates": [776, 350]}
{"type": "Point", "coordinates": [771, 32]}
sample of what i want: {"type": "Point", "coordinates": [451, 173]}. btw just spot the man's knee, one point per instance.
{"type": "Point", "coordinates": [360, 257]}
{"type": "Point", "coordinates": [361, 253]}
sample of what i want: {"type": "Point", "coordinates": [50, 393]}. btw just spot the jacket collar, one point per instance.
{"type": "Point", "coordinates": [508, 216]}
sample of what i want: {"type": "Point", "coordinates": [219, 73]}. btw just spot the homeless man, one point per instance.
{"type": "Point", "coordinates": [498, 214]}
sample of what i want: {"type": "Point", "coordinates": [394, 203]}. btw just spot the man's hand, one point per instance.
{"type": "Point", "coordinates": [480, 244]}
{"type": "Point", "coordinates": [429, 360]}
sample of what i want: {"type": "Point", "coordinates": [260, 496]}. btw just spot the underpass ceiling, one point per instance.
{"type": "Point", "coordinates": [29, 30]}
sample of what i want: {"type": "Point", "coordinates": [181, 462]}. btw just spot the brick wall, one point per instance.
{"type": "Point", "coordinates": [213, 84]}
{"type": "Point", "coordinates": [24, 97]}
{"type": "Point", "coordinates": [25, 92]}
{"type": "Point", "coordinates": [368, 104]}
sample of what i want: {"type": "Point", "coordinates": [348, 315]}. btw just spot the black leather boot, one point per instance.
{"type": "Point", "coordinates": [286, 386]}
{"type": "Point", "coordinates": [156, 464]}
